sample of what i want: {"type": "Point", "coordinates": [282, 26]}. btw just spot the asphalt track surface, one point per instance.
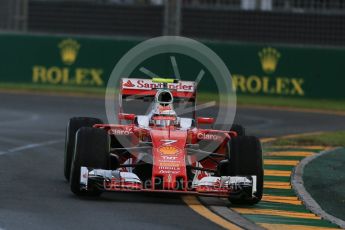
{"type": "Point", "coordinates": [34, 194]}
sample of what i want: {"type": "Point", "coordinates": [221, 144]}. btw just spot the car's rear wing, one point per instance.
{"type": "Point", "coordinates": [149, 87]}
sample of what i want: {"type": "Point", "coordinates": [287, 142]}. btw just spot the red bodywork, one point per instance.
{"type": "Point", "coordinates": [169, 159]}
{"type": "Point", "coordinates": [169, 154]}
{"type": "Point", "coordinates": [169, 144]}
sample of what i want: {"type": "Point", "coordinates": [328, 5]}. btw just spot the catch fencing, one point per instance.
{"type": "Point", "coordinates": [309, 22]}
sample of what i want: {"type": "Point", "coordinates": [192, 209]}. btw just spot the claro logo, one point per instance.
{"type": "Point", "coordinates": [206, 136]}
{"type": "Point", "coordinates": [68, 74]}
{"type": "Point", "coordinates": [121, 132]}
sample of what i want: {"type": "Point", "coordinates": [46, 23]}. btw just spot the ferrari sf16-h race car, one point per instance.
{"type": "Point", "coordinates": [161, 151]}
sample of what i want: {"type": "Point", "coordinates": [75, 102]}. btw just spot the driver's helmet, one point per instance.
{"type": "Point", "coordinates": [164, 114]}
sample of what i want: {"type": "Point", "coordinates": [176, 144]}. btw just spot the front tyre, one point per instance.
{"type": "Point", "coordinates": [92, 150]}
{"type": "Point", "coordinates": [73, 126]}
{"type": "Point", "coordinates": [245, 160]}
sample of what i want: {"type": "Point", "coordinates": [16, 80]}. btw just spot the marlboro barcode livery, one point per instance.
{"type": "Point", "coordinates": [161, 151]}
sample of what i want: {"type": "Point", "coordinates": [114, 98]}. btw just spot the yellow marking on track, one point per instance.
{"type": "Point", "coordinates": [277, 173]}
{"type": "Point", "coordinates": [301, 135]}
{"type": "Point", "coordinates": [283, 108]}
{"type": "Point", "coordinates": [290, 154]}
{"type": "Point", "coordinates": [273, 212]}
{"type": "Point", "coordinates": [282, 199]}
{"type": "Point", "coordinates": [281, 162]}
{"type": "Point", "coordinates": [313, 147]}
{"type": "Point", "coordinates": [289, 226]}
{"type": "Point", "coordinates": [269, 139]}
{"type": "Point", "coordinates": [277, 185]}
{"type": "Point", "coordinates": [195, 205]}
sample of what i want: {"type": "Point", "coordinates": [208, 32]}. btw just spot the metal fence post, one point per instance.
{"type": "Point", "coordinates": [25, 9]}
{"type": "Point", "coordinates": [13, 15]}
{"type": "Point", "coordinates": [172, 17]}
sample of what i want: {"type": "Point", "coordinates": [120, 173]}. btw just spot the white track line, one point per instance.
{"type": "Point", "coordinates": [27, 118]}
{"type": "Point", "coordinates": [11, 141]}
{"type": "Point", "coordinates": [30, 146]}
{"type": "Point", "coordinates": [11, 130]}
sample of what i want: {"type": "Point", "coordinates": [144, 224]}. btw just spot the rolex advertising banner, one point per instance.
{"type": "Point", "coordinates": [272, 70]}
{"type": "Point", "coordinates": [59, 61]}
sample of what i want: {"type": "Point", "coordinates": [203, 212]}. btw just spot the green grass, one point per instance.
{"type": "Point", "coordinates": [324, 139]}
{"type": "Point", "coordinates": [52, 89]}
{"type": "Point", "coordinates": [287, 102]}
{"type": "Point", "coordinates": [324, 179]}
{"type": "Point", "coordinates": [319, 104]}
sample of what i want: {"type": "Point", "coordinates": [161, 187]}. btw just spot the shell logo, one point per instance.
{"type": "Point", "coordinates": [168, 150]}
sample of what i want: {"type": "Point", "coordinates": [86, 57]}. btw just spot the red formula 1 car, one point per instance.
{"type": "Point", "coordinates": [161, 151]}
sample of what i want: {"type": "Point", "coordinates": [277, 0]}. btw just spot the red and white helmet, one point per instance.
{"type": "Point", "coordinates": [163, 110]}
{"type": "Point", "coordinates": [164, 104]}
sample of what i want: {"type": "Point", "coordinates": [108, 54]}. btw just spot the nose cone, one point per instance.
{"type": "Point", "coordinates": [169, 157]}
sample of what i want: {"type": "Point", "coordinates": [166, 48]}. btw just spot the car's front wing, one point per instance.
{"type": "Point", "coordinates": [118, 181]}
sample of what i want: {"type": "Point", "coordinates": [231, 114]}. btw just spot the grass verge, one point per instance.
{"type": "Point", "coordinates": [324, 179]}
{"type": "Point", "coordinates": [51, 89]}
{"type": "Point", "coordinates": [303, 103]}
{"type": "Point", "coordinates": [324, 139]}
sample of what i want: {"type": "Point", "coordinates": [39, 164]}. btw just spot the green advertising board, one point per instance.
{"type": "Point", "coordinates": [310, 72]}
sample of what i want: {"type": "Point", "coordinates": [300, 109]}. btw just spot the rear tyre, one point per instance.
{"type": "Point", "coordinates": [92, 149]}
{"type": "Point", "coordinates": [246, 159]}
{"type": "Point", "coordinates": [239, 129]}
{"type": "Point", "coordinates": [73, 126]}
{"type": "Point", "coordinates": [222, 166]}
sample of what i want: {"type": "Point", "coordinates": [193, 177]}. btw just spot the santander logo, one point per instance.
{"type": "Point", "coordinates": [148, 84]}
{"type": "Point", "coordinates": [128, 84]}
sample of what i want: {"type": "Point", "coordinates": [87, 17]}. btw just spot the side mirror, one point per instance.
{"type": "Point", "coordinates": [205, 120]}
{"type": "Point", "coordinates": [127, 116]}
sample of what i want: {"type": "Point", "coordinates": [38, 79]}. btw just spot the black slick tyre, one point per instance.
{"type": "Point", "coordinates": [73, 126]}
{"type": "Point", "coordinates": [245, 160]}
{"type": "Point", "coordinates": [92, 150]}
